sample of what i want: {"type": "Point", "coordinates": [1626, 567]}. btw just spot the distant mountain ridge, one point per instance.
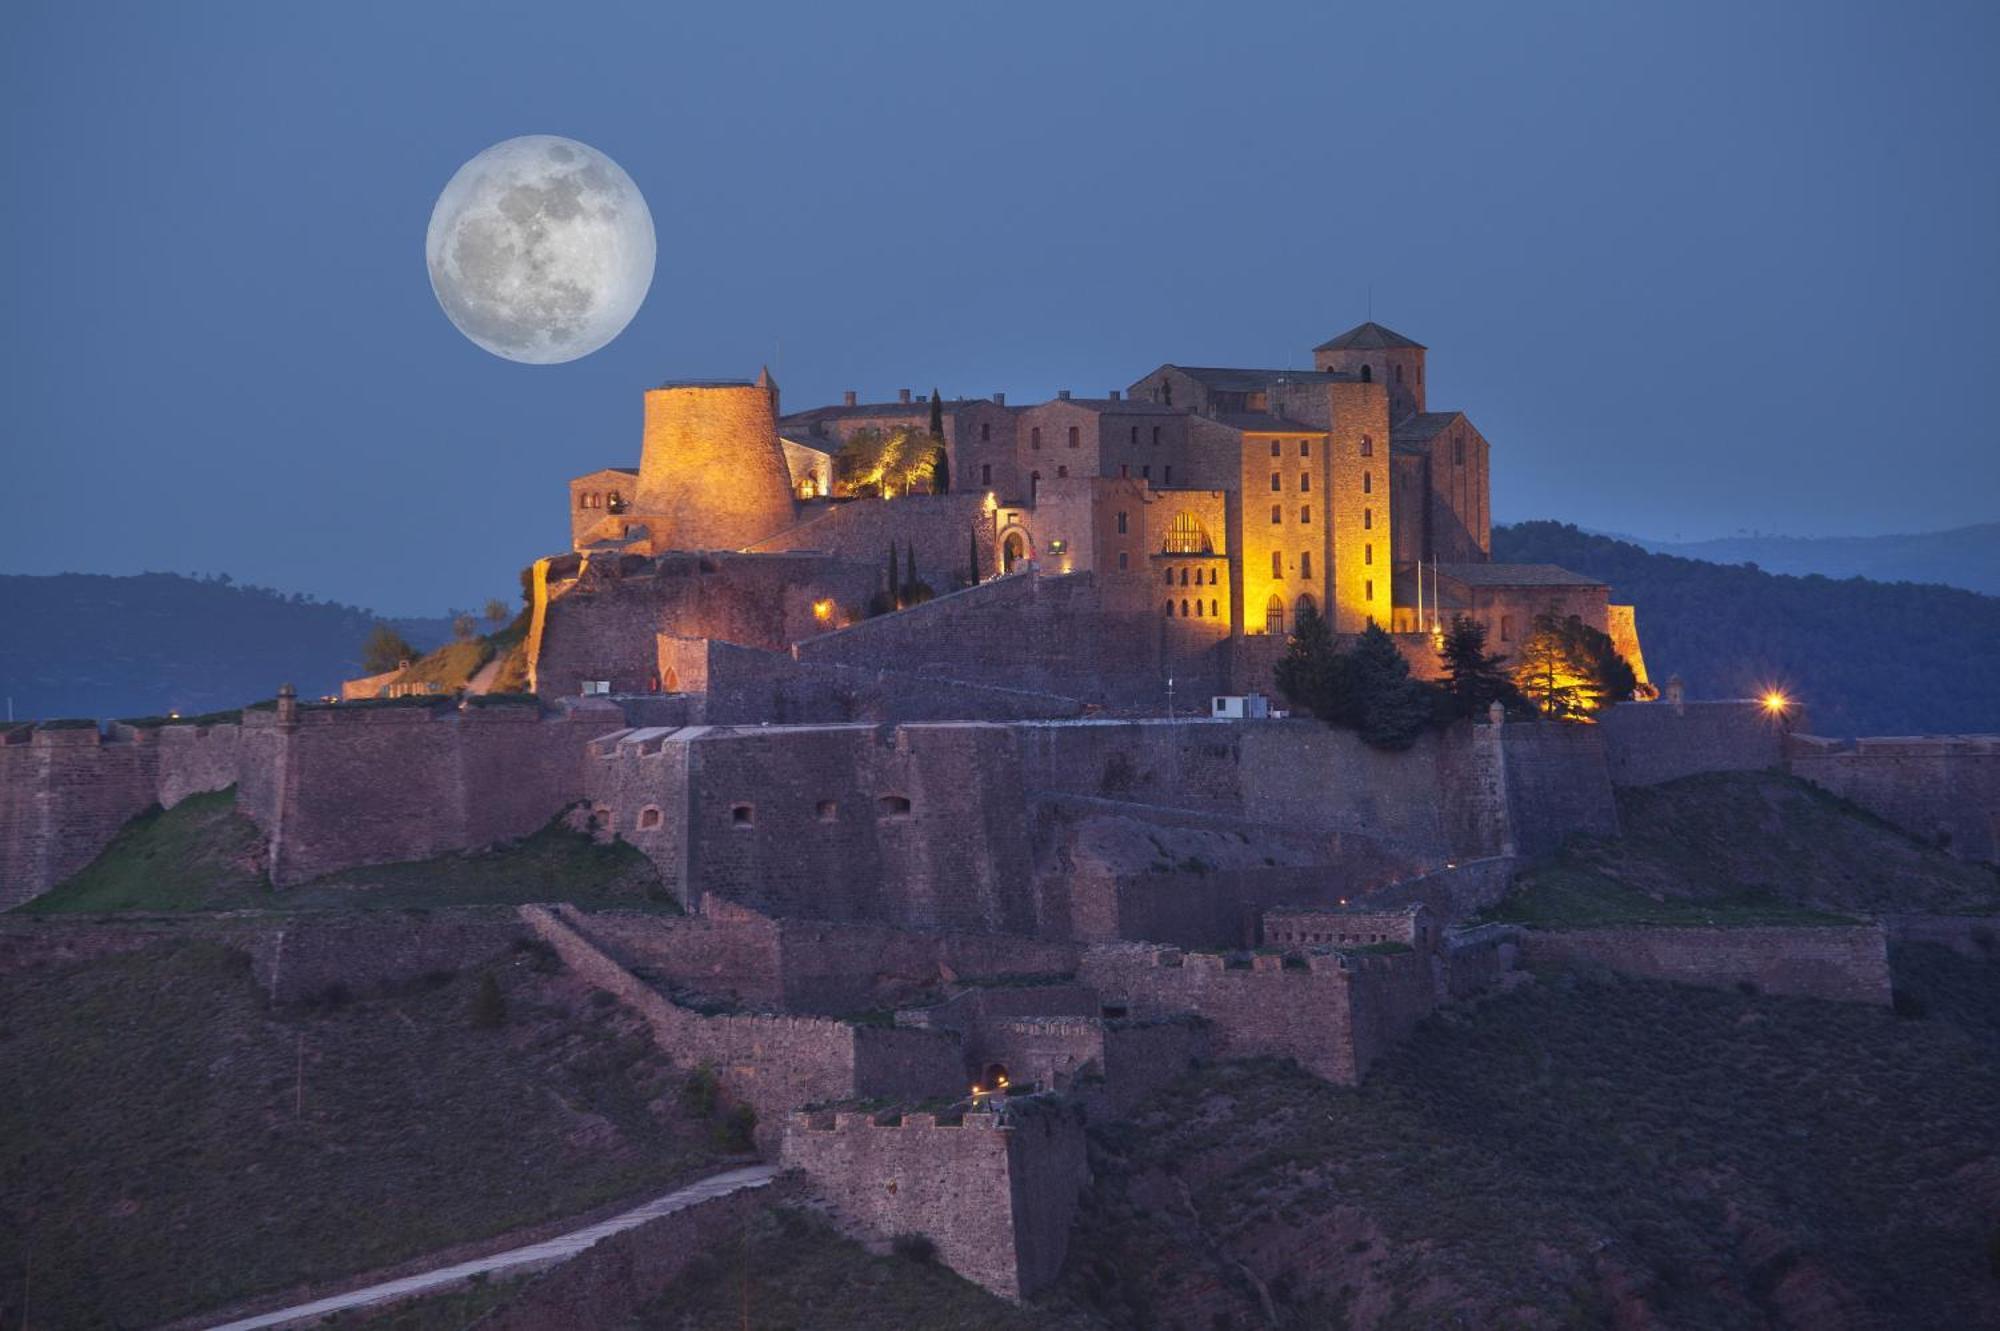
{"type": "Point", "coordinates": [1865, 657]}
{"type": "Point", "coordinates": [96, 645]}
{"type": "Point", "coordinates": [1967, 557]}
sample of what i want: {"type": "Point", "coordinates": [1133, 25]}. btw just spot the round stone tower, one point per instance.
{"type": "Point", "coordinates": [712, 474]}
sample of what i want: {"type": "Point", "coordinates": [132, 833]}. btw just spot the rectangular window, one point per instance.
{"type": "Point", "coordinates": [1156, 434]}
{"type": "Point", "coordinates": [1062, 471]}
{"type": "Point", "coordinates": [1277, 565]}
{"type": "Point", "coordinates": [1458, 451]}
{"type": "Point", "coordinates": [1135, 434]}
{"type": "Point", "coordinates": [1072, 436]}
{"type": "Point", "coordinates": [1368, 589]}
{"type": "Point", "coordinates": [1168, 479]}
{"type": "Point", "coordinates": [1305, 481]}
{"type": "Point", "coordinates": [1277, 481]}
{"type": "Point", "coordinates": [1124, 472]}
{"type": "Point", "coordinates": [1368, 482]}
{"type": "Point", "coordinates": [986, 473]}
{"type": "Point", "coordinates": [1368, 553]}
{"type": "Point", "coordinates": [583, 501]}
{"type": "Point", "coordinates": [1367, 519]}
{"type": "Point", "coordinates": [1035, 437]}
{"type": "Point", "coordinates": [1305, 564]}
{"type": "Point", "coordinates": [1121, 524]}
{"type": "Point", "coordinates": [985, 431]}
{"type": "Point", "coordinates": [1306, 513]}
{"type": "Point", "coordinates": [1305, 448]}
{"type": "Point", "coordinates": [1277, 448]}
{"type": "Point", "coordinates": [1277, 514]}
{"type": "Point", "coordinates": [1122, 558]}
{"type": "Point", "coordinates": [1367, 447]}
{"type": "Point", "coordinates": [1146, 472]}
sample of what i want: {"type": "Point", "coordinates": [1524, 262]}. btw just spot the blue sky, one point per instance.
{"type": "Point", "coordinates": [1693, 268]}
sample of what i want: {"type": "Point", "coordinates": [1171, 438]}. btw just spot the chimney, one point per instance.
{"type": "Point", "coordinates": [903, 396]}
{"type": "Point", "coordinates": [1063, 395]}
{"type": "Point", "coordinates": [999, 399]}
{"type": "Point", "coordinates": [847, 398]}
{"type": "Point", "coordinates": [1114, 395]}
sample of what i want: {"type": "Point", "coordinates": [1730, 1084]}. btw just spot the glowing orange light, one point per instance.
{"type": "Point", "coordinates": [1776, 702]}
{"type": "Point", "coordinates": [823, 610]}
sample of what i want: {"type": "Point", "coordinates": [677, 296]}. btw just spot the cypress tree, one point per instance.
{"type": "Point", "coordinates": [937, 416]}
{"type": "Point", "coordinates": [895, 591]}
{"type": "Point", "coordinates": [1392, 708]}
{"type": "Point", "coordinates": [910, 569]}
{"type": "Point", "coordinates": [940, 460]}
{"type": "Point", "coordinates": [972, 557]}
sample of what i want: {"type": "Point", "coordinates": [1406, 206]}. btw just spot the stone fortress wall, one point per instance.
{"type": "Point", "coordinates": [996, 1192]}
{"type": "Point", "coordinates": [1846, 964]}
{"type": "Point", "coordinates": [1944, 789]}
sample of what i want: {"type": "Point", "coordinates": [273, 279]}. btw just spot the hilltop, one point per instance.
{"type": "Point", "coordinates": [1967, 557]}
{"type": "Point", "coordinates": [85, 644]}
{"type": "Point", "coordinates": [1866, 658]}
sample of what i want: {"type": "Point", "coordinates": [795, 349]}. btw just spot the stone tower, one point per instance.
{"type": "Point", "coordinates": [712, 474]}
{"type": "Point", "coordinates": [1383, 356]}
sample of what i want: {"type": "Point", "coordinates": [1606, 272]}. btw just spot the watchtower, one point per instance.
{"type": "Point", "coordinates": [1380, 355]}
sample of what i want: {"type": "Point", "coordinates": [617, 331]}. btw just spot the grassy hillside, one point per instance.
{"type": "Point", "coordinates": [1740, 848]}
{"type": "Point", "coordinates": [792, 1270]}
{"type": "Point", "coordinates": [174, 1143]}
{"type": "Point", "coordinates": [1584, 1149]}
{"type": "Point", "coordinates": [203, 855]}
{"type": "Point", "coordinates": [89, 645]}
{"type": "Point", "coordinates": [1867, 658]}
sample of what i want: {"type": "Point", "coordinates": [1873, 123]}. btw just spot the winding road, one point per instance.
{"type": "Point", "coordinates": [535, 1255]}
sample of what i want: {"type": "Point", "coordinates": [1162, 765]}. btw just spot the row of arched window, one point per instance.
{"type": "Point", "coordinates": [607, 499]}
{"type": "Point", "coordinates": [1212, 576]}
{"type": "Point", "coordinates": [1214, 610]}
{"type": "Point", "coordinates": [1274, 611]}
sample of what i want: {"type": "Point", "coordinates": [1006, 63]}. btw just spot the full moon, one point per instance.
{"type": "Point", "coordinates": [541, 249]}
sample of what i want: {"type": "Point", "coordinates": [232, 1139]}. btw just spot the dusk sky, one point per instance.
{"type": "Point", "coordinates": [1692, 268]}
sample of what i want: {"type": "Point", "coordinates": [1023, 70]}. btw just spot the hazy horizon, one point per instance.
{"type": "Point", "coordinates": [1694, 272]}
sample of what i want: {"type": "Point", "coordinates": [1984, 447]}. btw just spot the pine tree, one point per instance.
{"type": "Point", "coordinates": [1474, 678]}
{"type": "Point", "coordinates": [1555, 672]}
{"type": "Point", "coordinates": [1392, 708]}
{"type": "Point", "coordinates": [1313, 675]}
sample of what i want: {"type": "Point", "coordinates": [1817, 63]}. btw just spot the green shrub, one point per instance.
{"type": "Point", "coordinates": [915, 1247]}
{"type": "Point", "coordinates": [736, 1131]}
{"type": "Point", "coordinates": [699, 1092]}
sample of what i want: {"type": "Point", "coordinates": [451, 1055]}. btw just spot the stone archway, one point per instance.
{"type": "Point", "coordinates": [995, 1078]}
{"type": "Point", "coordinates": [1013, 549]}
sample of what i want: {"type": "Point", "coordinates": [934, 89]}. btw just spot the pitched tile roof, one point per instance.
{"type": "Point", "coordinates": [1416, 430]}
{"type": "Point", "coordinates": [1369, 336]}
{"type": "Point", "coordinates": [1233, 380]}
{"type": "Point", "coordinates": [1263, 422]}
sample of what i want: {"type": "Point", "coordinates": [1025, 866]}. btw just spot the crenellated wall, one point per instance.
{"type": "Point", "coordinates": [996, 1192]}
{"type": "Point", "coordinates": [342, 786]}
{"type": "Point", "coordinates": [1944, 789]}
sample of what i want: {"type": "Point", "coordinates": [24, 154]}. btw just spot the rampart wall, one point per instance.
{"type": "Point", "coordinates": [310, 956]}
{"type": "Point", "coordinates": [996, 1193]}
{"type": "Point", "coordinates": [66, 790]}
{"type": "Point", "coordinates": [775, 1064]}
{"type": "Point", "coordinates": [745, 685]}
{"type": "Point", "coordinates": [1646, 743]}
{"type": "Point", "coordinates": [1557, 784]}
{"type": "Point", "coordinates": [1850, 964]}
{"type": "Point", "coordinates": [945, 529]}
{"type": "Point", "coordinates": [345, 786]}
{"type": "Point", "coordinates": [1944, 789]}
{"type": "Point", "coordinates": [1976, 936]}
{"type": "Point", "coordinates": [1332, 1012]}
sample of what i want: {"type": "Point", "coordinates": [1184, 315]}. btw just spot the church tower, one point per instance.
{"type": "Point", "coordinates": [1379, 355]}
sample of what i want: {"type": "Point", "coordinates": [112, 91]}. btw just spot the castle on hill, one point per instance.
{"type": "Point", "coordinates": [1190, 519]}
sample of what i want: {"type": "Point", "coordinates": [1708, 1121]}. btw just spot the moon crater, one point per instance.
{"type": "Point", "coordinates": [541, 249]}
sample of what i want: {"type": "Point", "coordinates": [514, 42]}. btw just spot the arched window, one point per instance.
{"type": "Point", "coordinates": [1187, 537]}
{"type": "Point", "coordinates": [1170, 604]}
{"type": "Point", "coordinates": [1197, 607]}
{"type": "Point", "coordinates": [893, 806]}
{"type": "Point", "coordinates": [1368, 482]}
{"type": "Point", "coordinates": [1306, 602]}
{"type": "Point", "coordinates": [1184, 610]}
{"type": "Point", "coordinates": [1170, 577]}
{"type": "Point", "coordinates": [1072, 436]}
{"type": "Point", "coordinates": [1184, 574]}
{"type": "Point", "coordinates": [1367, 375]}
{"type": "Point", "coordinates": [1211, 577]}
{"type": "Point", "coordinates": [1367, 447]}
{"type": "Point", "coordinates": [1274, 615]}
{"type": "Point", "coordinates": [649, 817]}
